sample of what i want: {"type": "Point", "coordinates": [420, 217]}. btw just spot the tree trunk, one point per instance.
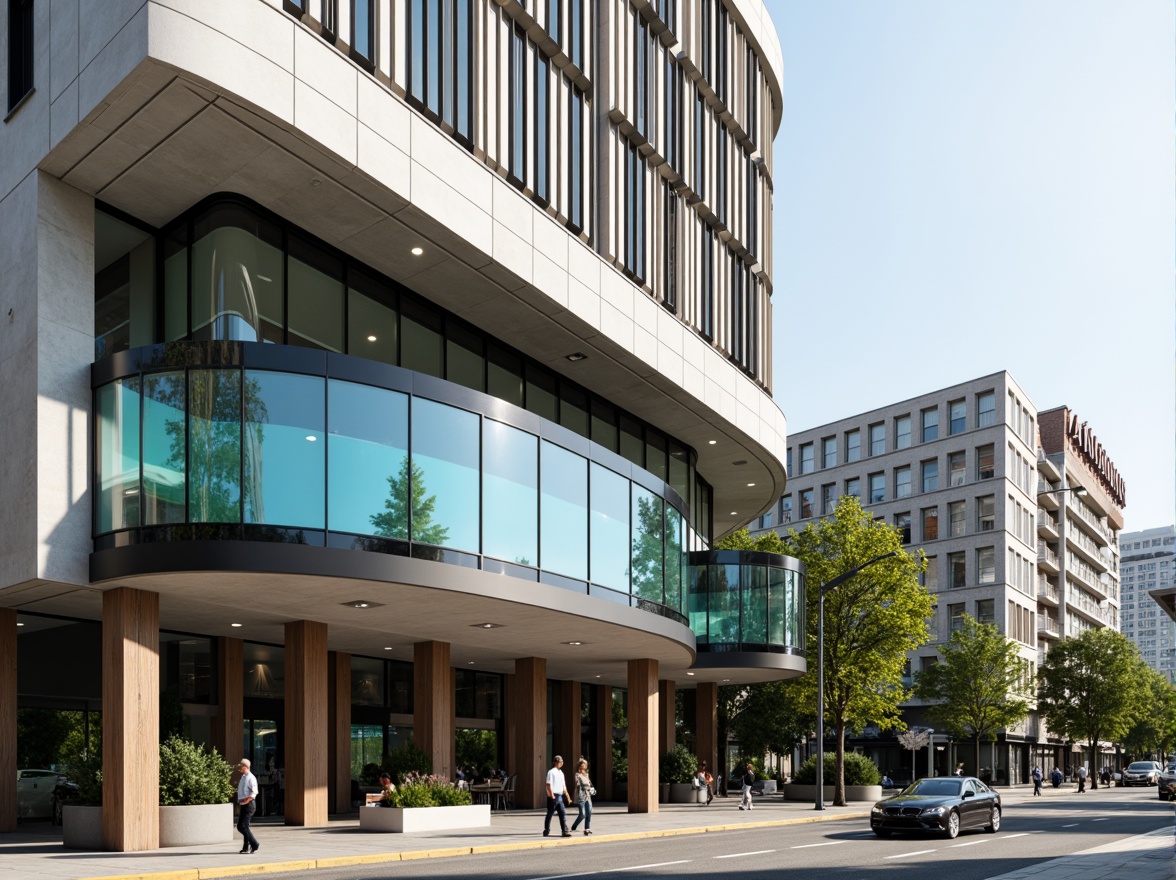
{"type": "Point", "coordinates": [1093, 763]}
{"type": "Point", "coordinates": [976, 739]}
{"type": "Point", "coordinates": [839, 776]}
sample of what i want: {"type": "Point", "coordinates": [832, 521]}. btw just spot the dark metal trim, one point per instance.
{"type": "Point", "coordinates": [750, 660]}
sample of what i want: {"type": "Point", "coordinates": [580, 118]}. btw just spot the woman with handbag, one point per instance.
{"type": "Point", "coordinates": [584, 792]}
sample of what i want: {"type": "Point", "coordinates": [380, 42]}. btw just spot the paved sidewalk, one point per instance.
{"type": "Point", "coordinates": [36, 849]}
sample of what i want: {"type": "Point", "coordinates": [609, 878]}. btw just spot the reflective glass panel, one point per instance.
{"type": "Point", "coordinates": [314, 297]}
{"type": "Point", "coordinates": [118, 455]}
{"type": "Point", "coordinates": [444, 487]}
{"type": "Point", "coordinates": [285, 449]}
{"type": "Point", "coordinates": [175, 285]}
{"type": "Point", "coordinates": [778, 606]}
{"type": "Point", "coordinates": [367, 451]}
{"type": "Point", "coordinates": [724, 605]}
{"type": "Point", "coordinates": [164, 448]}
{"type": "Point", "coordinates": [371, 327]}
{"type": "Point", "coordinates": [675, 559]}
{"type": "Point", "coordinates": [510, 493]}
{"type": "Point", "coordinates": [573, 409]}
{"type": "Point", "coordinates": [754, 627]}
{"type": "Point", "coordinates": [367, 681]}
{"type": "Point", "coordinates": [541, 394]}
{"type": "Point", "coordinates": [237, 281]}
{"type": "Point", "coordinates": [696, 602]}
{"type": "Point", "coordinates": [648, 545]}
{"type": "Point", "coordinates": [420, 339]}
{"type": "Point", "coordinates": [214, 446]}
{"type": "Point", "coordinates": [604, 425]}
{"type": "Point", "coordinates": [610, 529]}
{"type": "Point", "coordinates": [563, 526]}
{"type": "Point", "coordinates": [655, 455]}
{"type": "Point", "coordinates": [679, 471]}
{"type": "Point", "coordinates": [464, 362]}
{"type": "Point", "coordinates": [632, 446]}
{"type": "Point", "coordinates": [504, 375]}
{"type": "Point", "coordinates": [265, 672]}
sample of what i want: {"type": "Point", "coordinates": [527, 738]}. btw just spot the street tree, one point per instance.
{"type": "Point", "coordinates": [871, 621]}
{"type": "Point", "coordinates": [979, 687]}
{"type": "Point", "coordinates": [915, 738]}
{"type": "Point", "coordinates": [1089, 686]}
{"type": "Point", "coordinates": [1155, 715]}
{"type": "Point", "coordinates": [771, 716]}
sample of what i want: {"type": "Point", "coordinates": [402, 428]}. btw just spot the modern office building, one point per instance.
{"type": "Point", "coordinates": [1017, 511]}
{"type": "Point", "coordinates": [1147, 572]}
{"type": "Point", "coordinates": [383, 370]}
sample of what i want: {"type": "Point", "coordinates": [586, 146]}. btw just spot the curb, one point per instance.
{"type": "Point", "coordinates": [411, 855]}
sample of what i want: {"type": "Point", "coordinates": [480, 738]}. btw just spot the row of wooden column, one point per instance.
{"type": "Point", "coordinates": [318, 721]}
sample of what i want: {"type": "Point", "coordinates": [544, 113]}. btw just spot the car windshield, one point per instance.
{"type": "Point", "coordinates": [1142, 766]}
{"type": "Point", "coordinates": [935, 788]}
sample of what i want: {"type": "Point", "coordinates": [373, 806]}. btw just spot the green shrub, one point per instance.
{"type": "Point", "coordinates": [85, 771]}
{"type": "Point", "coordinates": [189, 775]}
{"type": "Point", "coordinates": [426, 791]}
{"type": "Point", "coordinates": [448, 796]}
{"type": "Point", "coordinates": [398, 763]}
{"type": "Point", "coordinates": [677, 765]}
{"type": "Point", "coordinates": [859, 770]}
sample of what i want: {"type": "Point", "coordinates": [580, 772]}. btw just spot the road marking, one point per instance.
{"type": "Point", "coordinates": [918, 852]}
{"type": "Point", "coordinates": [1018, 834]}
{"type": "Point", "coordinates": [810, 845]}
{"type": "Point", "coordinates": [969, 843]}
{"type": "Point", "coordinates": [561, 876]}
{"type": "Point", "coordinates": [758, 852]}
{"type": "Point", "coordinates": [643, 867]}
{"type": "Point", "coordinates": [1103, 819]}
{"type": "Point", "coordinates": [1071, 825]}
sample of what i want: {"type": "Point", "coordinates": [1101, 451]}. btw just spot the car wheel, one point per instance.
{"type": "Point", "coordinates": [953, 825]}
{"type": "Point", "coordinates": [882, 832]}
{"type": "Point", "coordinates": [993, 825]}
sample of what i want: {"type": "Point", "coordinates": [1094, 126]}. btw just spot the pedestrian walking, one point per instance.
{"type": "Point", "coordinates": [557, 798]}
{"type": "Point", "coordinates": [1037, 779]}
{"type": "Point", "coordinates": [748, 782]}
{"type": "Point", "coordinates": [1082, 779]}
{"type": "Point", "coordinates": [584, 792]}
{"type": "Point", "coordinates": [247, 803]}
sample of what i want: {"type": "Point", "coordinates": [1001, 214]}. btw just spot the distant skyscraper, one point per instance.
{"type": "Point", "coordinates": [1148, 574]}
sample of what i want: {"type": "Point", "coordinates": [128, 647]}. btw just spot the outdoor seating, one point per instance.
{"type": "Point", "coordinates": [504, 798]}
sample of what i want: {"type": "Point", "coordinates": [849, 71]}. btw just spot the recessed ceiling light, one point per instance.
{"type": "Point", "coordinates": [690, 673]}
{"type": "Point", "coordinates": [577, 356]}
{"type": "Point", "coordinates": [235, 624]}
{"type": "Point", "coordinates": [371, 339]}
{"type": "Point", "coordinates": [417, 251]}
{"type": "Point", "coordinates": [487, 625]}
{"type": "Point", "coordinates": [726, 679]}
{"type": "Point", "coordinates": [362, 603]}
{"type": "Point", "coordinates": [18, 623]}
{"type": "Point", "coordinates": [311, 438]}
{"type": "Point", "coordinates": [471, 663]}
{"type": "Point", "coordinates": [573, 643]}
{"type": "Point", "coordinates": [734, 513]}
{"type": "Point", "coordinates": [749, 485]}
{"type": "Point", "coordinates": [131, 492]}
{"type": "Point", "coordinates": [389, 648]}
{"type": "Point", "coordinates": [712, 442]}
{"type": "Point", "coordinates": [598, 676]}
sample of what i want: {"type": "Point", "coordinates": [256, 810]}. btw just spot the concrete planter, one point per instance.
{"type": "Point", "coordinates": [663, 792]}
{"type": "Point", "coordinates": [195, 825]}
{"type": "Point", "coordinates": [795, 792]}
{"type": "Point", "coordinates": [81, 827]}
{"type": "Point", "coordinates": [681, 793]}
{"type": "Point", "coordinates": [400, 820]}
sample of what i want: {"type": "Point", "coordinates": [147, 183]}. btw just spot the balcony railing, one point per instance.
{"type": "Point", "coordinates": [1044, 554]}
{"type": "Point", "coordinates": [1047, 590]}
{"type": "Point", "coordinates": [1087, 515]}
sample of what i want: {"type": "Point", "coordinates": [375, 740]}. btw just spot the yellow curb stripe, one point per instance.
{"type": "Point", "coordinates": [250, 870]}
{"type": "Point", "coordinates": [189, 874]}
{"type": "Point", "coordinates": [348, 861]}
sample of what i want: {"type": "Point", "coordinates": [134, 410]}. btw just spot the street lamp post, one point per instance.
{"type": "Point", "coordinates": [1077, 490]}
{"type": "Point", "coordinates": [825, 588]}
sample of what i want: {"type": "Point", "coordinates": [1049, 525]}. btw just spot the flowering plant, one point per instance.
{"type": "Point", "coordinates": [424, 790]}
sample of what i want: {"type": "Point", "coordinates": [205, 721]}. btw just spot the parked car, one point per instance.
{"type": "Point", "coordinates": [34, 793]}
{"type": "Point", "coordinates": [1166, 784]}
{"type": "Point", "coordinates": [946, 805]}
{"type": "Point", "coordinates": [1141, 773]}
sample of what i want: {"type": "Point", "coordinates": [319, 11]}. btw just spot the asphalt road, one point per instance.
{"type": "Point", "coordinates": [1031, 832]}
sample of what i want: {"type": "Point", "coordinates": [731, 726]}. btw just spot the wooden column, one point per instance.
{"type": "Point", "coordinates": [130, 720]}
{"type": "Point", "coordinates": [531, 725]}
{"type": "Point", "coordinates": [643, 715]}
{"type": "Point", "coordinates": [306, 723]}
{"type": "Point", "coordinates": [706, 727]}
{"type": "Point", "coordinates": [602, 772]}
{"type": "Point", "coordinates": [339, 731]}
{"type": "Point", "coordinates": [567, 730]}
{"type": "Point", "coordinates": [509, 731]}
{"type": "Point", "coordinates": [8, 766]}
{"type": "Point", "coordinates": [667, 709]}
{"type": "Point", "coordinates": [229, 725]}
{"type": "Point", "coordinates": [432, 702]}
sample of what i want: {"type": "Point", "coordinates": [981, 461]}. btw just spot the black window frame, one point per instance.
{"type": "Point", "coordinates": [20, 52]}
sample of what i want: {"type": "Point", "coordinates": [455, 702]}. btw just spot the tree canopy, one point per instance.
{"type": "Point", "coordinates": [1155, 717]}
{"type": "Point", "coordinates": [979, 687]}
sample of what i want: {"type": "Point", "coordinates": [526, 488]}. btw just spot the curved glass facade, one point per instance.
{"type": "Point", "coordinates": [330, 451]}
{"type": "Point", "coordinates": [746, 601]}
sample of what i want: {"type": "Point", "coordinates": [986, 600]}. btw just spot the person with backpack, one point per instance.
{"type": "Point", "coordinates": [1037, 779]}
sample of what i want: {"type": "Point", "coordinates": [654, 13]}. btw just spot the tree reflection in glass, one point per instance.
{"type": "Point", "coordinates": [408, 482]}
{"type": "Point", "coordinates": [647, 559]}
{"type": "Point", "coordinates": [214, 441]}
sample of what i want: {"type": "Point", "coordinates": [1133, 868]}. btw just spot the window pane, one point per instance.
{"type": "Point", "coordinates": [655, 455]}
{"type": "Point", "coordinates": [563, 509]}
{"type": "Point", "coordinates": [723, 620]}
{"type": "Point", "coordinates": [444, 475]}
{"type": "Point", "coordinates": [697, 601]}
{"type": "Point", "coordinates": [367, 682]}
{"type": "Point", "coordinates": [214, 443]}
{"type": "Point", "coordinates": [285, 458]}
{"type": "Point", "coordinates": [237, 268]}
{"type": "Point", "coordinates": [164, 448]}
{"type": "Point", "coordinates": [504, 376]}
{"type": "Point", "coordinates": [371, 322]}
{"type": "Point", "coordinates": [930, 425]}
{"type": "Point", "coordinates": [632, 446]}
{"type": "Point", "coordinates": [853, 446]}
{"type": "Point", "coordinates": [510, 500]}
{"type": "Point", "coordinates": [648, 549]}
{"type": "Point", "coordinates": [930, 476]}
{"type": "Point", "coordinates": [610, 529]}
{"type": "Point", "coordinates": [573, 409]}
{"type": "Point", "coordinates": [118, 455]}
{"type": "Point", "coordinates": [985, 410]}
{"type": "Point", "coordinates": [367, 450]}
{"type": "Point", "coordinates": [542, 398]}
{"type": "Point", "coordinates": [315, 296]}
{"type": "Point", "coordinates": [931, 524]}
{"type": "Point", "coordinates": [754, 626]}
{"type": "Point", "coordinates": [902, 432]}
{"type": "Point", "coordinates": [779, 599]}
{"type": "Point", "coordinates": [420, 342]}
{"type": "Point", "coordinates": [175, 285]}
{"type": "Point", "coordinates": [464, 363]}
{"type": "Point", "coordinates": [676, 559]}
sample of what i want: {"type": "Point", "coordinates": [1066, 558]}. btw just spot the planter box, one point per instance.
{"type": "Point", "coordinates": [681, 793]}
{"type": "Point", "coordinates": [795, 792]}
{"type": "Point", "coordinates": [81, 827]}
{"type": "Point", "coordinates": [194, 826]}
{"type": "Point", "coordinates": [663, 792]}
{"type": "Point", "coordinates": [401, 820]}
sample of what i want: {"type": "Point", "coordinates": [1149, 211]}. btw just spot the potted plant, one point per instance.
{"type": "Point", "coordinates": [81, 818]}
{"type": "Point", "coordinates": [863, 782]}
{"type": "Point", "coordinates": [195, 787]}
{"type": "Point", "coordinates": [677, 768]}
{"type": "Point", "coordinates": [424, 803]}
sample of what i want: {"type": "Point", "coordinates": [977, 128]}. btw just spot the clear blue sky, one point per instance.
{"type": "Point", "coordinates": [967, 187]}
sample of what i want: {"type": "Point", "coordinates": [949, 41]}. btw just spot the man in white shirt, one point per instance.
{"type": "Point", "coordinates": [557, 798]}
{"type": "Point", "coordinates": [247, 801]}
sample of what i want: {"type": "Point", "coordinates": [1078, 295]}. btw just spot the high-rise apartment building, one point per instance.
{"type": "Point", "coordinates": [1017, 512]}
{"type": "Point", "coordinates": [1147, 572]}
{"type": "Point", "coordinates": [372, 370]}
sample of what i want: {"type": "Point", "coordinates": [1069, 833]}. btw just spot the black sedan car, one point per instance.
{"type": "Point", "coordinates": [944, 805]}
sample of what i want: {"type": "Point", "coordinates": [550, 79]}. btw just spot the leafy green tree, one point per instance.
{"type": "Point", "coordinates": [771, 717]}
{"type": "Point", "coordinates": [768, 542]}
{"type": "Point", "coordinates": [393, 522]}
{"type": "Point", "coordinates": [1089, 687]}
{"type": "Point", "coordinates": [978, 689]}
{"type": "Point", "coordinates": [871, 621]}
{"type": "Point", "coordinates": [475, 748]}
{"type": "Point", "coordinates": [1155, 715]}
{"type": "Point", "coordinates": [191, 775]}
